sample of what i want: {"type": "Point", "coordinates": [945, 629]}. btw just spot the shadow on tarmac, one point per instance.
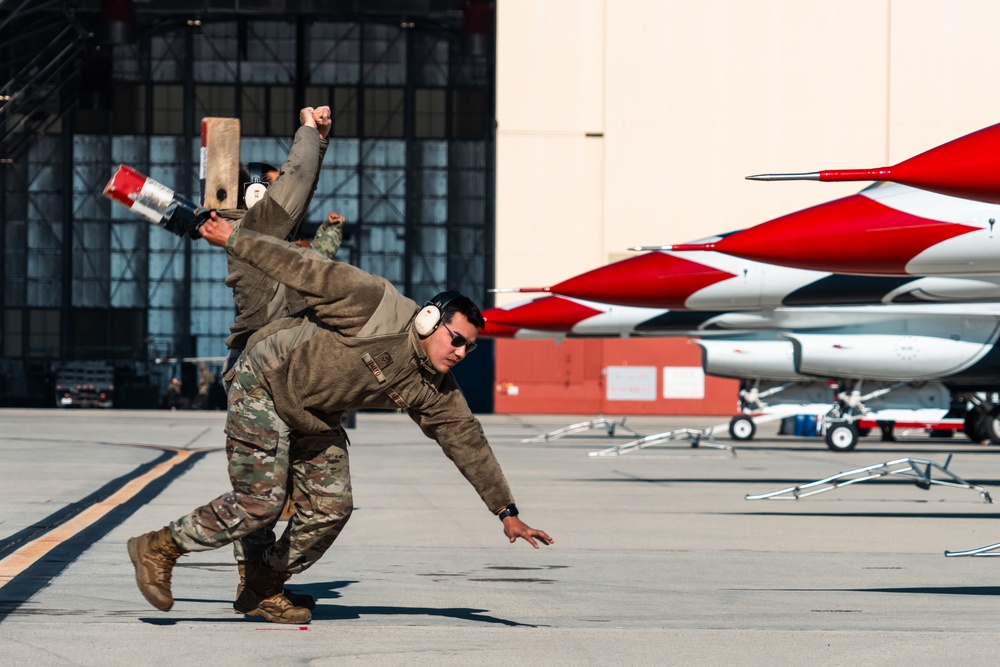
{"type": "Point", "coordinates": [919, 590]}
{"type": "Point", "coordinates": [331, 612]}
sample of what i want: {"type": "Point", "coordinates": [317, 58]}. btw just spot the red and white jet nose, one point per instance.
{"type": "Point", "coordinates": [855, 234]}
{"type": "Point", "coordinates": [967, 167]}
{"type": "Point", "coordinates": [550, 313]}
{"type": "Point", "coordinates": [655, 280]}
{"type": "Point", "coordinates": [494, 330]}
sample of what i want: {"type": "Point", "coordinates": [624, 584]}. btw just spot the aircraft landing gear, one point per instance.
{"type": "Point", "coordinates": [842, 436]}
{"type": "Point", "coordinates": [742, 427]}
{"type": "Point", "coordinates": [991, 425]}
{"type": "Point", "coordinates": [975, 423]}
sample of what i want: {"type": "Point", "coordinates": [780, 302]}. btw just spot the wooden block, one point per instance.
{"type": "Point", "coordinates": [220, 162]}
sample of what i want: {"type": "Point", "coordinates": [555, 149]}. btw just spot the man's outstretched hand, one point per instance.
{"type": "Point", "coordinates": [514, 528]}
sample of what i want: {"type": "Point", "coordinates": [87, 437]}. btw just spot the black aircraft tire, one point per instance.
{"type": "Point", "coordinates": [991, 425]}
{"type": "Point", "coordinates": [974, 426]}
{"type": "Point", "coordinates": [842, 437]}
{"type": "Point", "coordinates": [742, 427]}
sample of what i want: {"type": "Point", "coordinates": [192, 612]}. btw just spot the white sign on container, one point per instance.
{"type": "Point", "coordinates": [683, 382]}
{"type": "Point", "coordinates": [631, 383]}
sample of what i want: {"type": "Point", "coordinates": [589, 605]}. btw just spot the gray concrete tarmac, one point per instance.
{"type": "Point", "coordinates": [659, 558]}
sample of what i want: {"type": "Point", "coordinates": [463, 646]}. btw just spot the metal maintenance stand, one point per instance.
{"type": "Point", "coordinates": [600, 422]}
{"type": "Point", "coordinates": [695, 437]}
{"type": "Point", "coordinates": [988, 550]}
{"type": "Point", "coordinates": [905, 468]}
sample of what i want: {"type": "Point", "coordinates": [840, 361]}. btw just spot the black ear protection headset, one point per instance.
{"type": "Point", "coordinates": [429, 318]}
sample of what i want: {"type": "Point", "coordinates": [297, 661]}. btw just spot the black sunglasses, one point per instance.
{"type": "Point", "coordinates": [458, 340]}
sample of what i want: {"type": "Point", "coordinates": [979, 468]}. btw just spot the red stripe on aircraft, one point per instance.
{"type": "Point", "coordinates": [549, 313]}
{"type": "Point", "coordinates": [850, 235]}
{"type": "Point", "coordinates": [494, 330]}
{"type": "Point", "coordinates": [654, 280]}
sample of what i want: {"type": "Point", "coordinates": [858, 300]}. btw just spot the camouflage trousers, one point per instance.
{"type": "Point", "coordinates": [267, 462]}
{"type": "Point", "coordinates": [255, 545]}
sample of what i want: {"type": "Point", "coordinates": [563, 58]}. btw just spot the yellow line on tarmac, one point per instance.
{"type": "Point", "coordinates": [33, 551]}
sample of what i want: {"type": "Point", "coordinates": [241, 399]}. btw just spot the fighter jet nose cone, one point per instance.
{"type": "Point", "coordinates": [549, 313]}
{"type": "Point", "coordinates": [655, 279]}
{"type": "Point", "coordinates": [494, 330]}
{"type": "Point", "coordinates": [851, 235]}
{"type": "Point", "coordinates": [967, 167]}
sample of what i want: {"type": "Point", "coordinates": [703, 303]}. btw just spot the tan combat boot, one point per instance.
{"type": "Point", "coordinates": [246, 569]}
{"type": "Point", "coordinates": [153, 556]}
{"type": "Point", "coordinates": [263, 596]}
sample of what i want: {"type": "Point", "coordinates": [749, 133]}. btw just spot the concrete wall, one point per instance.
{"type": "Point", "coordinates": [635, 121]}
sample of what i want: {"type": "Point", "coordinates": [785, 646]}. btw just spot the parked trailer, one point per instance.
{"type": "Point", "coordinates": [85, 384]}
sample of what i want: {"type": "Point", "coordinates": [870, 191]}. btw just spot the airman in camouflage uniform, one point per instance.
{"type": "Point", "coordinates": [250, 549]}
{"type": "Point", "coordinates": [362, 344]}
{"type": "Point", "coordinates": [329, 236]}
{"type": "Point", "coordinates": [260, 299]}
{"type": "Point", "coordinates": [262, 468]}
{"type": "Point", "coordinates": [278, 214]}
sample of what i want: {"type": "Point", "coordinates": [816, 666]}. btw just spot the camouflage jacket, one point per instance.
{"type": "Point", "coordinates": [356, 348]}
{"type": "Point", "coordinates": [278, 214]}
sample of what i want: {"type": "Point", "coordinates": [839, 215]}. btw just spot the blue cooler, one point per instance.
{"type": "Point", "coordinates": [805, 426]}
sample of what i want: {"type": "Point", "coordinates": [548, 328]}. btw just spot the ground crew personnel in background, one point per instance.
{"type": "Point", "coordinates": [362, 345]}
{"type": "Point", "coordinates": [173, 398]}
{"type": "Point", "coordinates": [272, 202]}
{"type": "Point", "coordinates": [206, 379]}
{"type": "Point", "coordinates": [327, 241]}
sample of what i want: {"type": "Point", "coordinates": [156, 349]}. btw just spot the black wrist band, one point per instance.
{"type": "Point", "coordinates": [510, 510]}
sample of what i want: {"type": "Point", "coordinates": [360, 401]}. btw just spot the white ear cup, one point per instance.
{"type": "Point", "coordinates": [254, 193]}
{"type": "Point", "coordinates": [427, 320]}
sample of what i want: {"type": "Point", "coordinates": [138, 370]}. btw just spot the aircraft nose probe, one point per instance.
{"type": "Point", "coordinates": [806, 176]}
{"type": "Point", "coordinates": [967, 167]}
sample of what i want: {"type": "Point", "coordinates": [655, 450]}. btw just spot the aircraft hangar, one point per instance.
{"type": "Point", "coordinates": [476, 145]}
{"type": "Point", "coordinates": [98, 83]}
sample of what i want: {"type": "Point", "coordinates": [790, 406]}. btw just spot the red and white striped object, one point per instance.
{"type": "Point", "coordinates": [203, 158]}
{"type": "Point", "coordinates": [142, 195]}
